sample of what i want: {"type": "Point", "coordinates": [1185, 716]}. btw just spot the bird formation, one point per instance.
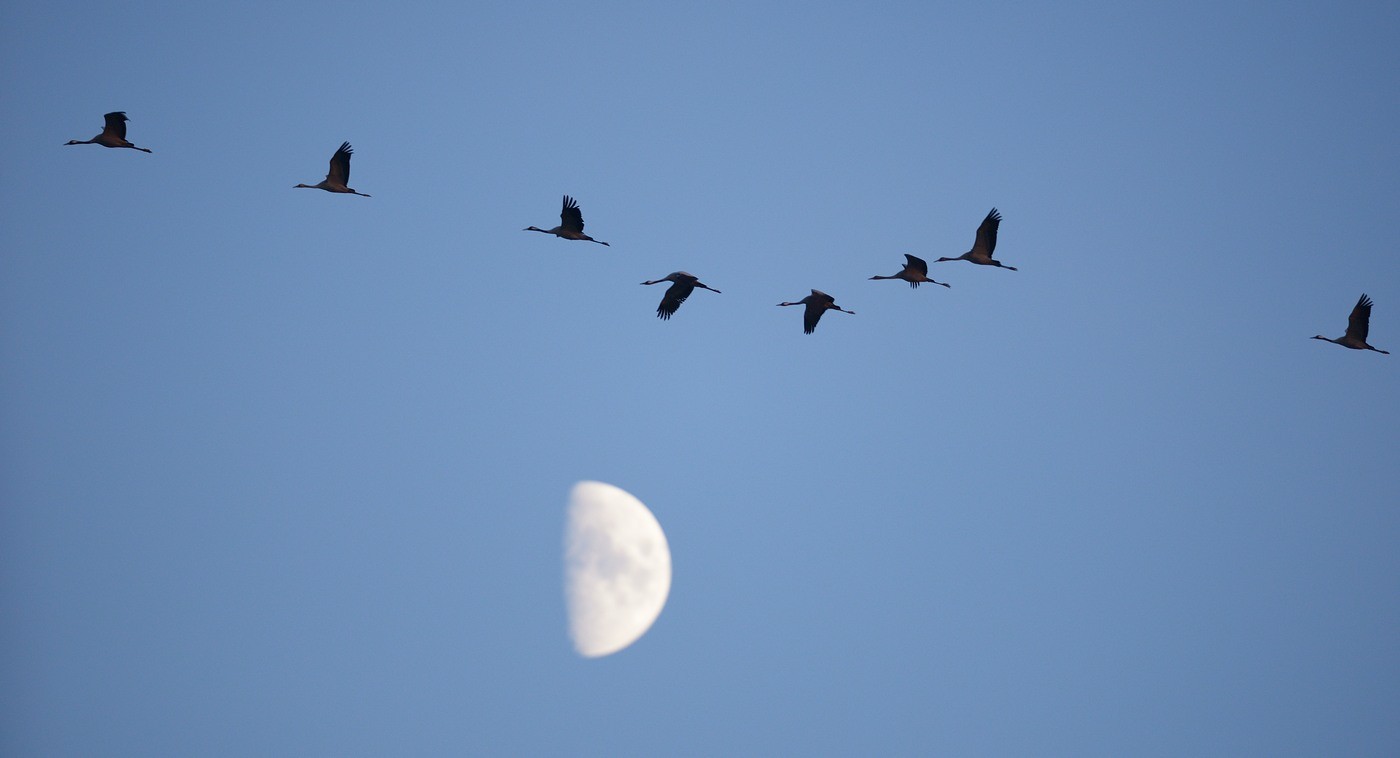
{"type": "Point", "coordinates": [683, 283]}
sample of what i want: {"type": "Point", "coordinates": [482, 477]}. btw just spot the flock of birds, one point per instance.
{"type": "Point", "coordinates": [683, 282]}
{"type": "Point", "coordinates": [570, 227]}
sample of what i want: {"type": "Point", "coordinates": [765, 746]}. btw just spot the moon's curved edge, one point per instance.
{"type": "Point", "coordinates": [617, 568]}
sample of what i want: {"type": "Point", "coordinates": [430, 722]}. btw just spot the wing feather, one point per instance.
{"type": "Point", "coordinates": [571, 218]}
{"type": "Point", "coordinates": [986, 240]}
{"type": "Point", "coordinates": [115, 123]}
{"type": "Point", "coordinates": [1359, 323]}
{"type": "Point", "coordinates": [340, 165]}
{"type": "Point", "coordinates": [675, 295]}
{"type": "Point", "coordinates": [812, 314]}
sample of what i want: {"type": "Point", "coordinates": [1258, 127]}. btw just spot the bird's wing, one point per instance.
{"type": "Point", "coordinates": [823, 296]}
{"type": "Point", "coordinates": [675, 295]}
{"type": "Point", "coordinates": [340, 165]}
{"type": "Point", "coordinates": [812, 314]}
{"type": "Point", "coordinates": [571, 217]}
{"type": "Point", "coordinates": [116, 123]}
{"type": "Point", "coordinates": [987, 234]}
{"type": "Point", "coordinates": [1359, 325]}
{"type": "Point", "coordinates": [918, 264]}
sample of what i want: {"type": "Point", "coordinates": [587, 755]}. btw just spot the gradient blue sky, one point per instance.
{"type": "Point", "coordinates": [283, 472]}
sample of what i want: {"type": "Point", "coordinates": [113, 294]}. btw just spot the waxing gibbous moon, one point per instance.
{"type": "Point", "coordinates": [617, 568]}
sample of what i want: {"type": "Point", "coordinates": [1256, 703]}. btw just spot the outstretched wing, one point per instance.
{"type": "Point", "coordinates": [340, 165]}
{"type": "Point", "coordinates": [918, 264]}
{"type": "Point", "coordinates": [116, 123]}
{"type": "Point", "coordinates": [987, 234]}
{"type": "Point", "coordinates": [675, 295]}
{"type": "Point", "coordinates": [1359, 324]}
{"type": "Point", "coordinates": [571, 218]}
{"type": "Point", "coordinates": [813, 313]}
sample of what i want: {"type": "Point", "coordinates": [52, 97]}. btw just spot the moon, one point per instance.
{"type": "Point", "coordinates": [617, 568]}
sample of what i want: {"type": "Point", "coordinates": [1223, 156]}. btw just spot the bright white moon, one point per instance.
{"type": "Point", "coordinates": [617, 568]}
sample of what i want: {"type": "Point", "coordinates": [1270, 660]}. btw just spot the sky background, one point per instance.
{"type": "Point", "coordinates": [284, 472]}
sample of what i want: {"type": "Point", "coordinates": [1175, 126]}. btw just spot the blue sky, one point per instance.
{"type": "Point", "coordinates": [284, 472]}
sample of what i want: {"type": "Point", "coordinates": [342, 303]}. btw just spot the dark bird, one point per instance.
{"type": "Point", "coordinates": [986, 242]}
{"type": "Point", "coordinates": [1358, 326]}
{"type": "Point", "coordinates": [570, 224]}
{"type": "Point", "coordinates": [817, 303]}
{"type": "Point", "coordinates": [339, 175]}
{"type": "Point", "coordinates": [113, 134]}
{"type": "Point", "coordinates": [915, 272]}
{"type": "Point", "coordinates": [682, 285]}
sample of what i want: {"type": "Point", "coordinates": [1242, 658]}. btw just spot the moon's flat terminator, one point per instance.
{"type": "Point", "coordinates": [617, 568]}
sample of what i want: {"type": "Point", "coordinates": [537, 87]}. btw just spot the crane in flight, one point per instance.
{"type": "Point", "coordinates": [915, 272]}
{"type": "Point", "coordinates": [682, 284]}
{"type": "Point", "coordinates": [1358, 327]}
{"type": "Point", "coordinates": [986, 242]}
{"type": "Point", "coordinates": [570, 224]}
{"type": "Point", "coordinates": [817, 303]}
{"type": "Point", "coordinates": [113, 134]}
{"type": "Point", "coordinates": [338, 177]}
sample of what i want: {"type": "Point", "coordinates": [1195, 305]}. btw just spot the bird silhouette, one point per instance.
{"type": "Point", "coordinates": [682, 284]}
{"type": "Point", "coordinates": [113, 134]}
{"type": "Point", "coordinates": [1358, 327]}
{"type": "Point", "coordinates": [817, 303]}
{"type": "Point", "coordinates": [982, 247]}
{"type": "Point", "coordinates": [570, 224]}
{"type": "Point", "coordinates": [338, 177]}
{"type": "Point", "coordinates": [915, 272]}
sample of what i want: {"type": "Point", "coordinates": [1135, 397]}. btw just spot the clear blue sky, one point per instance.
{"type": "Point", "coordinates": [283, 472]}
